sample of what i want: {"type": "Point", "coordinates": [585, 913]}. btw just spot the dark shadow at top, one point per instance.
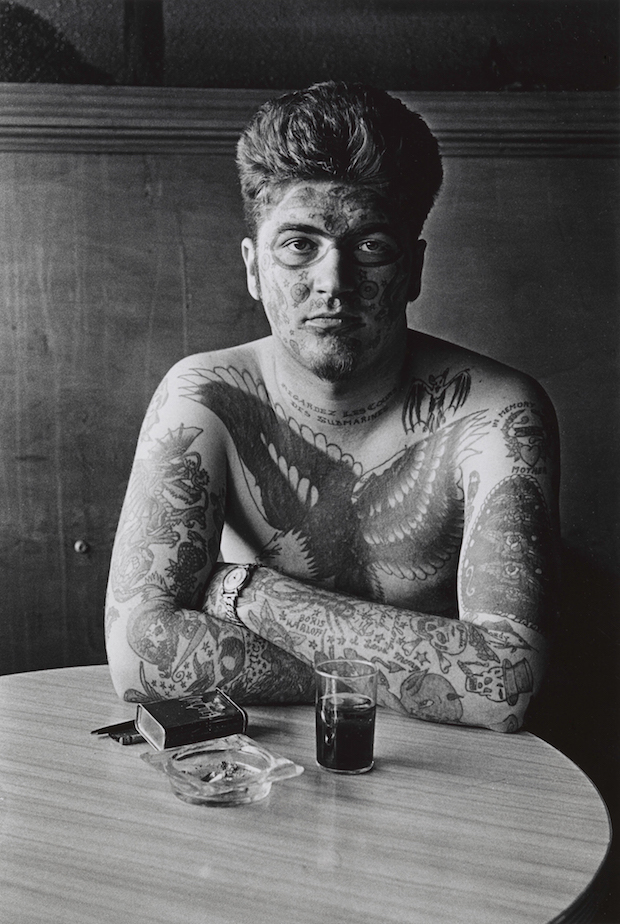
{"type": "Point", "coordinates": [424, 45]}
{"type": "Point", "coordinates": [32, 50]}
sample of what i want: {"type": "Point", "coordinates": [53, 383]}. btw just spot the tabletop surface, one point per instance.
{"type": "Point", "coordinates": [453, 824]}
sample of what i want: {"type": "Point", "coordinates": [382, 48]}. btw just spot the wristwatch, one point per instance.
{"type": "Point", "coordinates": [232, 585]}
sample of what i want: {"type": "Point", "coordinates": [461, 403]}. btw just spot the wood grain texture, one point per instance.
{"type": "Point", "coordinates": [123, 119]}
{"type": "Point", "coordinates": [452, 825]}
{"type": "Point", "coordinates": [111, 269]}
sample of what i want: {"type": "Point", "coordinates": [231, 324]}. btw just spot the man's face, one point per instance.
{"type": "Point", "coordinates": [334, 271]}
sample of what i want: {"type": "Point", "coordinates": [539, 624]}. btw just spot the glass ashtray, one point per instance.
{"type": "Point", "coordinates": [224, 771]}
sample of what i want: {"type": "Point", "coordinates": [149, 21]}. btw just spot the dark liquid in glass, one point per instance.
{"type": "Point", "coordinates": [345, 730]}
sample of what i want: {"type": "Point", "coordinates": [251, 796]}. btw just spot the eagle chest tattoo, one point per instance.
{"type": "Point", "coordinates": [331, 521]}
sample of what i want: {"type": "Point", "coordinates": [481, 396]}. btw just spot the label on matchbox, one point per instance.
{"type": "Point", "coordinates": [171, 723]}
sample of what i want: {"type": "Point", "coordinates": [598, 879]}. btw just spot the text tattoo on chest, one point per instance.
{"type": "Point", "coordinates": [335, 418]}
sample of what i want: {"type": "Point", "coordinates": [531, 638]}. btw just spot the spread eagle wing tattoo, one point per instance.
{"type": "Point", "coordinates": [418, 497]}
{"type": "Point", "coordinates": [301, 484]}
{"type": "Point", "coordinates": [339, 526]}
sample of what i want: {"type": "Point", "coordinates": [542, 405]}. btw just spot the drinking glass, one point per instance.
{"type": "Point", "coordinates": [346, 701]}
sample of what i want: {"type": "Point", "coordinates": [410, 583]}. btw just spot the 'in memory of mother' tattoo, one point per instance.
{"type": "Point", "coordinates": [525, 433]}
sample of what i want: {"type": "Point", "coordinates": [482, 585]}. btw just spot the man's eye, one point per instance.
{"type": "Point", "coordinates": [296, 250]}
{"type": "Point", "coordinates": [299, 245]}
{"type": "Point", "coordinates": [377, 251]}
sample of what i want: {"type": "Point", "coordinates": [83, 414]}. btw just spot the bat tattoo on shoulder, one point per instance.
{"type": "Point", "coordinates": [339, 525]}
{"type": "Point", "coordinates": [428, 402]}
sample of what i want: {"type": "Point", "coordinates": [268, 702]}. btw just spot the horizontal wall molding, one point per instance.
{"type": "Point", "coordinates": [62, 118]}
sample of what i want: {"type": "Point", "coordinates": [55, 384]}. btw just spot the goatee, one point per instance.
{"type": "Point", "coordinates": [339, 364]}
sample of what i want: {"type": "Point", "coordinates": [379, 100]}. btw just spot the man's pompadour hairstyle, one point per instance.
{"type": "Point", "coordinates": [348, 132]}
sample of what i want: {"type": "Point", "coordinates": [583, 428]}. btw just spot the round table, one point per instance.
{"type": "Point", "coordinates": [453, 824]}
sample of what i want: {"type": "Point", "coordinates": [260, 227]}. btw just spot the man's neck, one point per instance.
{"type": "Point", "coordinates": [354, 402]}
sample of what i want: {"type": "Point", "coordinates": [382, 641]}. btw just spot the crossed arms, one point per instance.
{"type": "Point", "coordinates": [165, 631]}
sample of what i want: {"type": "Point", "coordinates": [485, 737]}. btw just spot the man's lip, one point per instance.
{"type": "Point", "coordinates": [333, 321]}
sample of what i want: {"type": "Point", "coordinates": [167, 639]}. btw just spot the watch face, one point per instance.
{"type": "Point", "coordinates": [234, 579]}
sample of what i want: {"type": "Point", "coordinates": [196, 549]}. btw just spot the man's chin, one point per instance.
{"type": "Point", "coordinates": [336, 364]}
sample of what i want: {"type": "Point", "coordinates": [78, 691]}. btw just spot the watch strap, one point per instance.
{"type": "Point", "coordinates": [230, 597]}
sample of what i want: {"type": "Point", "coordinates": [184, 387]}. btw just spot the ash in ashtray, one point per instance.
{"type": "Point", "coordinates": [228, 770]}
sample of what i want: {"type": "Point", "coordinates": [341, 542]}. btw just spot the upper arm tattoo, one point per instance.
{"type": "Point", "coordinates": [163, 538]}
{"type": "Point", "coordinates": [525, 433]}
{"type": "Point", "coordinates": [508, 564]}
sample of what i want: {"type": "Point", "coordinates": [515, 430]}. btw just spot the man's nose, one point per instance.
{"type": "Point", "coordinates": [334, 274]}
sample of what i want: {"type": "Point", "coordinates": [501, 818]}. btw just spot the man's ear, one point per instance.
{"type": "Point", "coordinates": [417, 263]}
{"type": "Point", "coordinates": [248, 252]}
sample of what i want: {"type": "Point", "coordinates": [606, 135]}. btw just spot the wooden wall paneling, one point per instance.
{"type": "Point", "coordinates": [114, 267]}
{"type": "Point", "coordinates": [120, 225]}
{"type": "Point", "coordinates": [90, 118]}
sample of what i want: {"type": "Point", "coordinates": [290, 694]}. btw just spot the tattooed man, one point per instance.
{"type": "Point", "coordinates": [346, 486]}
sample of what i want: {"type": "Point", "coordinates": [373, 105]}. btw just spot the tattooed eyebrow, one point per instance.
{"type": "Point", "coordinates": [374, 228]}
{"type": "Point", "coordinates": [307, 229]}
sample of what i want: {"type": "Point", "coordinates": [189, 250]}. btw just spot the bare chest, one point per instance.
{"type": "Point", "coordinates": [383, 523]}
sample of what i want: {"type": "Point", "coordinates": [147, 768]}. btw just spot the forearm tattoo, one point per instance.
{"type": "Point", "coordinates": [194, 652]}
{"type": "Point", "coordinates": [430, 667]}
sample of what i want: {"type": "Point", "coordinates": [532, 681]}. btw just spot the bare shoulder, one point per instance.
{"type": "Point", "coordinates": [244, 358]}
{"type": "Point", "coordinates": [445, 375]}
{"type": "Point", "coordinates": [188, 401]}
